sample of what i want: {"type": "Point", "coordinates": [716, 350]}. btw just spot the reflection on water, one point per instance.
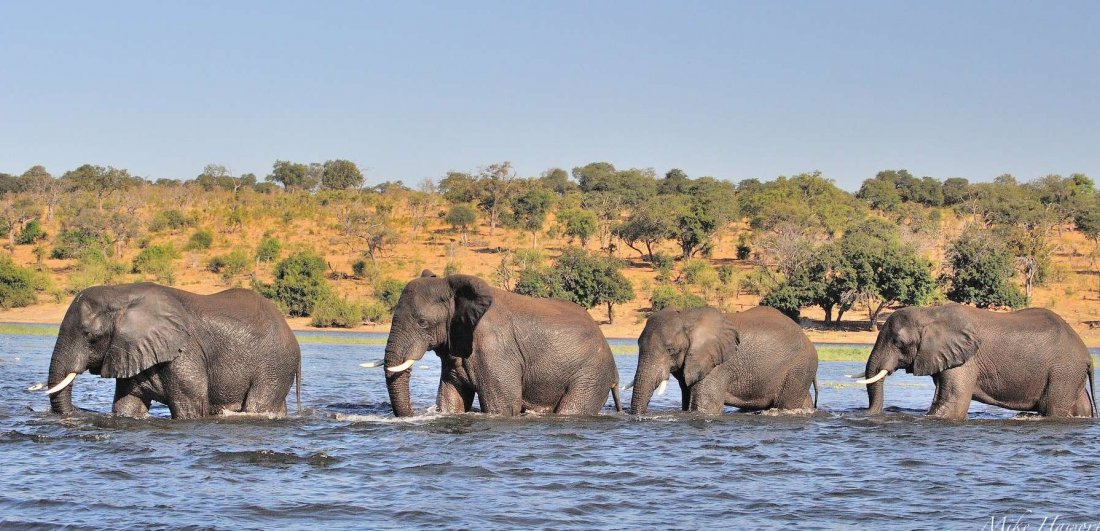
{"type": "Point", "coordinates": [347, 463]}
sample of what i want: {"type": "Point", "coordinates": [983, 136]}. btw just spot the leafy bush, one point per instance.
{"type": "Point", "coordinates": [73, 242]}
{"type": "Point", "coordinates": [200, 240]}
{"type": "Point", "coordinates": [669, 297]}
{"type": "Point", "coordinates": [451, 268]}
{"type": "Point", "coordinates": [157, 260]}
{"type": "Point", "coordinates": [389, 292]}
{"type": "Point", "coordinates": [299, 283]}
{"type": "Point", "coordinates": [95, 269]}
{"type": "Point", "coordinates": [31, 233]}
{"type": "Point", "coordinates": [786, 298]}
{"type": "Point", "coordinates": [331, 311]}
{"type": "Point", "coordinates": [743, 247]}
{"type": "Point", "coordinates": [230, 265]}
{"type": "Point", "coordinates": [365, 270]}
{"type": "Point", "coordinates": [268, 250]}
{"type": "Point", "coordinates": [375, 312]}
{"type": "Point", "coordinates": [171, 219]}
{"type": "Point", "coordinates": [19, 284]}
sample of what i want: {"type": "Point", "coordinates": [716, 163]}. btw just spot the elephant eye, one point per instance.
{"type": "Point", "coordinates": [422, 323]}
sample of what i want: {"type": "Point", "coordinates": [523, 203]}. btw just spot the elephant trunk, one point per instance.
{"type": "Point", "coordinates": [401, 353]}
{"type": "Point", "coordinates": [648, 377]}
{"type": "Point", "coordinates": [882, 362]}
{"type": "Point", "coordinates": [65, 364]}
{"type": "Point", "coordinates": [397, 384]}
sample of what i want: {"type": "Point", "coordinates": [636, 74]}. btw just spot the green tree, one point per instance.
{"type": "Point", "coordinates": [578, 223]}
{"type": "Point", "coordinates": [18, 285]}
{"type": "Point", "coordinates": [200, 240]}
{"type": "Point", "coordinates": [293, 175]}
{"type": "Point", "coordinates": [978, 271]}
{"type": "Point", "coordinates": [32, 232]}
{"type": "Point", "coordinates": [590, 280]}
{"type": "Point", "coordinates": [956, 190]}
{"type": "Point", "coordinates": [230, 264]}
{"type": "Point", "coordinates": [460, 217]}
{"type": "Point", "coordinates": [157, 260]}
{"type": "Point", "coordinates": [530, 210]}
{"type": "Point", "coordinates": [496, 185]}
{"type": "Point", "coordinates": [269, 249]}
{"type": "Point", "coordinates": [299, 283]}
{"type": "Point", "coordinates": [341, 174]}
{"type": "Point", "coordinates": [649, 224]}
{"type": "Point", "coordinates": [557, 180]}
{"type": "Point", "coordinates": [664, 297]}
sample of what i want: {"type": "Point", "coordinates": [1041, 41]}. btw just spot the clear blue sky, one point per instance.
{"type": "Point", "coordinates": [409, 90]}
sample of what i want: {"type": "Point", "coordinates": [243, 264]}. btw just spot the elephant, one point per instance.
{"type": "Point", "coordinates": [753, 360]}
{"type": "Point", "coordinates": [1027, 360]}
{"type": "Point", "coordinates": [516, 353]}
{"type": "Point", "coordinates": [201, 355]}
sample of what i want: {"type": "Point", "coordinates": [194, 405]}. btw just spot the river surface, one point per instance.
{"type": "Point", "coordinates": [346, 463]}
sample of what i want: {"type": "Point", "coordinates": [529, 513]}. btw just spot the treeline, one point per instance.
{"type": "Point", "coordinates": [795, 242]}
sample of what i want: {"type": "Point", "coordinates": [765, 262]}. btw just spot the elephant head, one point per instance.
{"type": "Point", "coordinates": [686, 344]}
{"type": "Point", "coordinates": [923, 341]}
{"type": "Point", "coordinates": [433, 313]}
{"type": "Point", "coordinates": [115, 332]}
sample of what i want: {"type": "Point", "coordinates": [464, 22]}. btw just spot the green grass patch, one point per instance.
{"type": "Point", "coordinates": [842, 353]}
{"type": "Point", "coordinates": [336, 339]}
{"type": "Point", "coordinates": [20, 329]}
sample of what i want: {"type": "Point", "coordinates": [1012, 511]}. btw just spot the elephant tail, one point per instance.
{"type": "Point", "coordinates": [817, 388]}
{"type": "Point", "coordinates": [298, 386]}
{"type": "Point", "coordinates": [1092, 392]}
{"type": "Point", "coordinates": [615, 396]}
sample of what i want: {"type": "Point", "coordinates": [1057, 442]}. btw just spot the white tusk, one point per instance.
{"type": "Point", "coordinates": [661, 388]}
{"type": "Point", "coordinates": [36, 387]}
{"type": "Point", "coordinates": [629, 387]}
{"type": "Point", "coordinates": [64, 383]}
{"type": "Point", "coordinates": [401, 367]}
{"type": "Point", "coordinates": [881, 374]}
{"type": "Point", "coordinates": [371, 364]}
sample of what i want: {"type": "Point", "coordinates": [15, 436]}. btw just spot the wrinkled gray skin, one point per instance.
{"type": "Point", "coordinates": [515, 353]}
{"type": "Point", "coordinates": [1028, 360]}
{"type": "Point", "coordinates": [753, 360]}
{"type": "Point", "coordinates": [200, 355]}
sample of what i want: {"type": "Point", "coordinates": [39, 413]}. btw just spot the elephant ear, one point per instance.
{"type": "Point", "coordinates": [945, 343]}
{"type": "Point", "coordinates": [150, 329]}
{"type": "Point", "coordinates": [472, 297]}
{"type": "Point", "coordinates": [427, 273]}
{"type": "Point", "coordinates": [713, 341]}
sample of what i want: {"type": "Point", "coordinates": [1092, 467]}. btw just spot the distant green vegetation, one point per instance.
{"type": "Point", "coordinates": [796, 242]}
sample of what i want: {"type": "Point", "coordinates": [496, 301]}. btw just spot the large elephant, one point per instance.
{"type": "Point", "coordinates": [515, 353]}
{"type": "Point", "coordinates": [200, 355]}
{"type": "Point", "coordinates": [1028, 360]}
{"type": "Point", "coordinates": [753, 360]}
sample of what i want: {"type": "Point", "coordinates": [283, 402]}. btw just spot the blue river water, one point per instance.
{"type": "Point", "coordinates": [345, 462]}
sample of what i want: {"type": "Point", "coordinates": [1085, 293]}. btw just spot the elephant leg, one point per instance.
{"type": "Point", "coordinates": [1083, 406]}
{"type": "Point", "coordinates": [709, 395]}
{"type": "Point", "coordinates": [795, 393]}
{"type": "Point", "coordinates": [452, 399]}
{"type": "Point", "coordinates": [583, 400]}
{"type": "Point", "coordinates": [685, 394]}
{"type": "Point", "coordinates": [500, 400]}
{"type": "Point", "coordinates": [954, 390]}
{"type": "Point", "coordinates": [1060, 399]}
{"type": "Point", "coordinates": [264, 398]}
{"type": "Point", "coordinates": [127, 403]}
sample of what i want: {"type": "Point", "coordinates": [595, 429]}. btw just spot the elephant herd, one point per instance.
{"type": "Point", "coordinates": [233, 352]}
